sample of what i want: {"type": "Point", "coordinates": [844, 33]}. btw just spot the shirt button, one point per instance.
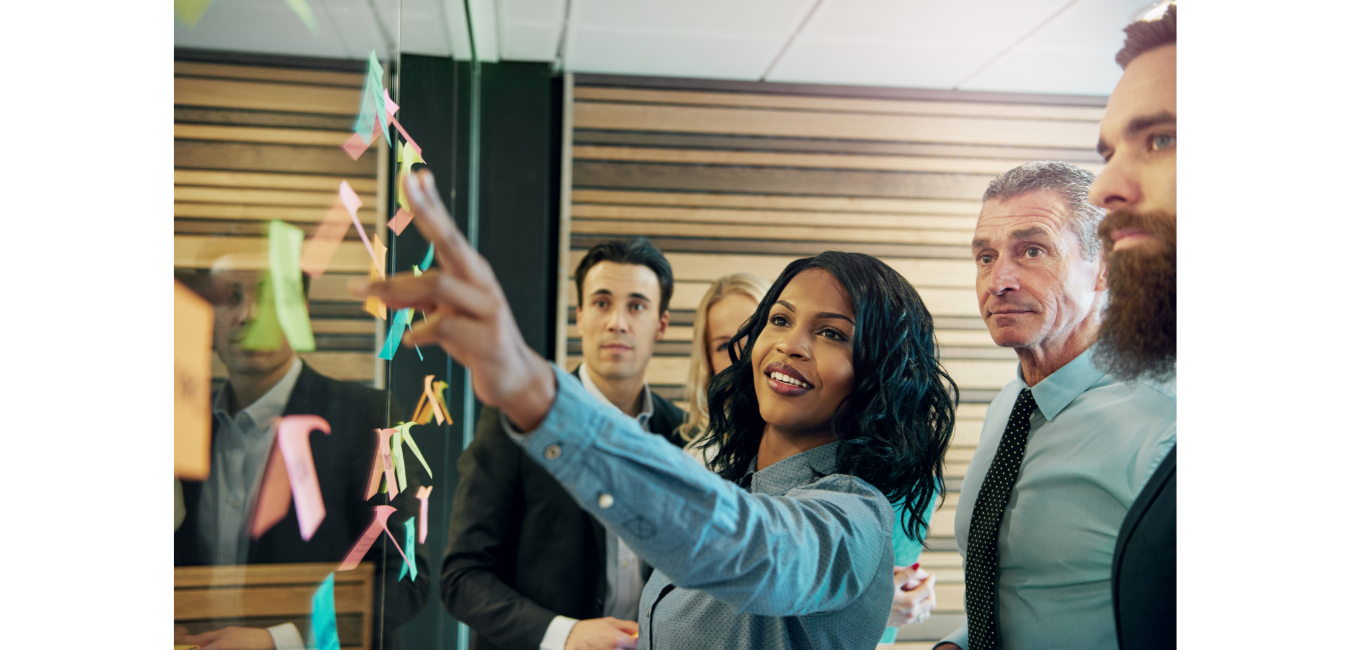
{"type": "Point", "coordinates": [605, 501]}
{"type": "Point", "coordinates": [552, 452]}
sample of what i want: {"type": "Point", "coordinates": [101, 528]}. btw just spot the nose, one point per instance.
{"type": "Point", "coordinates": [1003, 277]}
{"type": "Point", "coordinates": [795, 343]}
{"type": "Point", "coordinates": [617, 321]}
{"type": "Point", "coordinates": [1117, 186]}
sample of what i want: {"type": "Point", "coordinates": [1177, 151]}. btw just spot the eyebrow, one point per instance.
{"type": "Point", "coordinates": [606, 292]}
{"type": "Point", "coordinates": [819, 314]}
{"type": "Point", "coordinates": [1139, 124]}
{"type": "Point", "coordinates": [1025, 233]}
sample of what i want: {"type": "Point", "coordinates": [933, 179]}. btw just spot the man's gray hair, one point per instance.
{"type": "Point", "coordinates": [1069, 181]}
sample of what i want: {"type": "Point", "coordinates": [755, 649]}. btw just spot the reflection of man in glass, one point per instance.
{"type": "Point", "coordinates": [262, 386]}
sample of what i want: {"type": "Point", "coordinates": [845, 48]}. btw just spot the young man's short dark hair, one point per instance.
{"type": "Point", "coordinates": [636, 251]}
{"type": "Point", "coordinates": [1144, 35]}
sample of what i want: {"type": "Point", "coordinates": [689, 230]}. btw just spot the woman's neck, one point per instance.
{"type": "Point", "coordinates": [775, 445]}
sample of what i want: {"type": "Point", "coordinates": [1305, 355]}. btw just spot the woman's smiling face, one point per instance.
{"type": "Point", "coordinates": [803, 359]}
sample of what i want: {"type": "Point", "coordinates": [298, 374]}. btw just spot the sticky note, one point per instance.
{"type": "Point", "coordinates": [283, 253]}
{"type": "Point", "coordinates": [374, 306]}
{"type": "Point", "coordinates": [264, 331]}
{"type": "Point", "coordinates": [368, 538]}
{"type": "Point", "coordinates": [301, 9]}
{"type": "Point", "coordinates": [323, 617]}
{"type": "Point", "coordinates": [381, 253]}
{"type": "Point", "coordinates": [408, 321]}
{"type": "Point", "coordinates": [407, 137]}
{"type": "Point", "coordinates": [396, 450]}
{"type": "Point", "coordinates": [405, 429]}
{"type": "Point", "coordinates": [387, 459]}
{"type": "Point", "coordinates": [350, 200]}
{"type": "Point", "coordinates": [394, 335]}
{"type": "Point", "coordinates": [189, 12]}
{"type": "Point", "coordinates": [293, 438]}
{"type": "Point", "coordinates": [410, 528]}
{"type": "Point", "coordinates": [274, 495]}
{"type": "Point", "coordinates": [323, 244]}
{"type": "Point", "coordinates": [372, 99]}
{"type": "Point", "coordinates": [389, 106]}
{"type": "Point", "coordinates": [193, 320]}
{"type": "Point", "coordinates": [407, 157]}
{"type": "Point", "coordinates": [438, 392]}
{"type": "Point", "coordinates": [381, 453]}
{"type": "Point", "coordinates": [435, 403]}
{"type": "Point", "coordinates": [423, 494]}
{"type": "Point", "coordinates": [426, 259]}
{"type": "Point", "coordinates": [888, 635]}
{"type": "Point", "coordinates": [400, 221]}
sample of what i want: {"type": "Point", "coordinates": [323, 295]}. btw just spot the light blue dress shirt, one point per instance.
{"type": "Point", "coordinates": [798, 561]}
{"type": "Point", "coordinates": [1094, 442]}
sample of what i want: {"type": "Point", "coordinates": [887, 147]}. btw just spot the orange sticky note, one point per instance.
{"type": "Point", "coordinates": [374, 306]}
{"type": "Point", "coordinates": [377, 468]}
{"type": "Point", "coordinates": [274, 496]}
{"type": "Point", "coordinates": [387, 457]}
{"type": "Point", "coordinates": [323, 244]}
{"type": "Point", "coordinates": [435, 403]}
{"type": "Point", "coordinates": [293, 438]}
{"type": "Point", "coordinates": [400, 221]}
{"type": "Point", "coordinates": [368, 538]}
{"type": "Point", "coordinates": [193, 319]}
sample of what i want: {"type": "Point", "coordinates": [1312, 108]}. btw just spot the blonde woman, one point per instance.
{"type": "Point", "coordinates": [729, 302]}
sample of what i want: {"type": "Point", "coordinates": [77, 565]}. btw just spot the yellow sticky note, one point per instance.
{"type": "Point", "coordinates": [264, 331]}
{"type": "Point", "coordinates": [374, 306]}
{"type": "Point", "coordinates": [193, 319]}
{"type": "Point", "coordinates": [283, 253]}
{"type": "Point", "coordinates": [189, 12]}
{"type": "Point", "coordinates": [406, 157]}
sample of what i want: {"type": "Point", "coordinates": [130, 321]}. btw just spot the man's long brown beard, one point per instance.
{"type": "Point", "coordinates": [1138, 337]}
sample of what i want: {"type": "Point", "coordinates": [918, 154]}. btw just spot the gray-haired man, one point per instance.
{"type": "Point", "coordinates": [1065, 447]}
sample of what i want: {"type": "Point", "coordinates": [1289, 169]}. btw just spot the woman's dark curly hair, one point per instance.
{"type": "Point", "coordinates": [896, 423]}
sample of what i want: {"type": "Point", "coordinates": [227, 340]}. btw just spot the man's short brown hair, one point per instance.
{"type": "Point", "coordinates": [1144, 35]}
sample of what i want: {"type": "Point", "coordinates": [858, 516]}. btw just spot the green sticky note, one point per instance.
{"type": "Point", "coordinates": [301, 9]}
{"type": "Point", "coordinates": [283, 253]}
{"type": "Point", "coordinates": [323, 617]}
{"type": "Point", "coordinates": [263, 332]}
{"type": "Point", "coordinates": [411, 525]}
{"type": "Point", "coordinates": [396, 446]}
{"type": "Point", "coordinates": [189, 12]}
{"type": "Point", "coordinates": [405, 428]}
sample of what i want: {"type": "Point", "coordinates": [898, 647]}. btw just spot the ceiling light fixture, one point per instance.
{"type": "Point", "coordinates": [1152, 12]}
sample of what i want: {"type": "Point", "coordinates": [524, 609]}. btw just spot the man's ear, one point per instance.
{"type": "Point", "coordinates": [1101, 272]}
{"type": "Point", "coordinates": [661, 328]}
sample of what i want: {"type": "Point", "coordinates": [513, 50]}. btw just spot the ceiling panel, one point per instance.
{"type": "Point", "coordinates": [721, 17]}
{"type": "Point", "coordinates": [530, 41]}
{"type": "Point", "coordinates": [425, 28]}
{"type": "Point", "coordinates": [1074, 53]}
{"type": "Point", "coordinates": [665, 54]}
{"type": "Point", "coordinates": [260, 26]}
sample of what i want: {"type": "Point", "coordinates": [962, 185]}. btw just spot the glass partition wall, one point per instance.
{"type": "Point", "coordinates": [313, 479]}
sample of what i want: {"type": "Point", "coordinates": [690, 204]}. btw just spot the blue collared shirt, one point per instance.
{"type": "Point", "coordinates": [799, 560]}
{"type": "Point", "coordinates": [1094, 442]}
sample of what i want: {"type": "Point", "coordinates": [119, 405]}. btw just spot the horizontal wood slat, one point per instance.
{"type": "Point", "coordinates": [238, 196]}
{"type": "Point", "coordinates": [304, 182]}
{"type": "Point", "coordinates": [706, 267]}
{"type": "Point", "coordinates": [822, 233]}
{"type": "Point", "coordinates": [285, 601]}
{"type": "Point", "coordinates": [354, 80]}
{"type": "Point", "coordinates": [261, 157]}
{"type": "Point", "coordinates": [344, 366]}
{"type": "Point", "coordinates": [778, 180]}
{"type": "Point", "coordinates": [310, 214]}
{"type": "Point", "coordinates": [266, 96]}
{"type": "Point", "coordinates": [840, 104]}
{"type": "Point", "coordinates": [771, 217]}
{"type": "Point", "coordinates": [963, 207]}
{"type": "Point", "coordinates": [821, 160]}
{"type": "Point", "coordinates": [818, 124]}
{"type": "Point", "coordinates": [197, 251]}
{"type": "Point", "coordinates": [308, 137]}
{"type": "Point", "coordinates": [267, 574]}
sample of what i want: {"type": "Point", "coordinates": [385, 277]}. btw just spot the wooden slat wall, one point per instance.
{"type": "Point", "coordinates": [255, 143]}
{"type": "Point", "coordinates": [751, 177]}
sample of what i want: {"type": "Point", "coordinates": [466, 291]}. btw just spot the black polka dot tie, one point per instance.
{"type": "Point", "coordinates": [982, 544]}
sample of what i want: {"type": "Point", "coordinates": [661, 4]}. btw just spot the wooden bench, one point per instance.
{"type": "Point", "coordinates": [262, 595]}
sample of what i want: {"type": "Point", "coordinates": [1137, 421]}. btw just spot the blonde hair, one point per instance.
{"type": "Point", "coordinates": [700, 368]}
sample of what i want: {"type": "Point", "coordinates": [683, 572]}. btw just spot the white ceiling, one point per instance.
{"type": "Point", "coordinates": [1032, 46]}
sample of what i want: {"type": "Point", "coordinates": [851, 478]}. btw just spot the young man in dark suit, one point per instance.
{"type": "Point", "coordinates": [1138, 188]}
{"type": "Point", "coordinates": [527, 569]}
{"type": "Point", "coordinates": [264, 385]}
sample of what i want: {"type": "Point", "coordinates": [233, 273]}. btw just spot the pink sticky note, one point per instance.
{"type": "Point", "coordinates": [389, 106]}
{"type": "Point", "coordinates": [352, 201]}
{"type": "Point", "coordinates": [406, 136]}
{"type": "Point", "coordinates": [293, 438]}
{"type": "Point", "coordinates": [355, 146]}
{"type": "Point", "coordinates": [382, 461]}
{"type": "Point", "coordinates": [400, 221]}
{"type": "Point", "coordinates": [423, 493]}
{"type": "Point", "coordinates": [387, 456]}
{"type": "Point", "coordinates": [435, 404]}
{"type": "Point", "coordinates": [274, 496]}
{"type": "Point", "coordinates": [381, 524]}
{"type": "Point", "coordinates": [323, 244]}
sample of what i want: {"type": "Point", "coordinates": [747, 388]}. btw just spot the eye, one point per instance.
{"type": "Point", "coordinates": [1034, 252]}
{"type": "Point", "coordinates": [1162, 141]}
{"type": "Point", "coordinates": [985, 258]}
{"type": "Point", "coordinates": [722, 347]}
{"type": "Point", "coordinates": [601, 303]}
{"type": "Point", "coordinates": [833, 334]}
{"type": "Point", "coordinates": [637, 306]}
{"type": "Point", "coordinates": [778, 320]}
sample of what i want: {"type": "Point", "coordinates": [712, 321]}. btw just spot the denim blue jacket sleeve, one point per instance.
{"type": "Point", "coordinates": [814, 549]}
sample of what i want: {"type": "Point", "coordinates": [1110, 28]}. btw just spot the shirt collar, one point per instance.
{"type": "Point", "coordinates": [647, 406]}
{"type": "Point", "coordinates": [778, 478]}
{"type": "Point", "coordinates": [270, 405]}
{"type": "Point", "coordinates": [1063, 386]}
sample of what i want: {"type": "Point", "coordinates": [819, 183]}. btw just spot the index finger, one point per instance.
{"type": "Point", "coordinates": [435, 224]}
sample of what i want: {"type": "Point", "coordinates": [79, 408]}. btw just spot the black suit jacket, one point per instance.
{"type": "Point", "coordinates": [342, 461]}
{"type": "Point", "coordinates": [521, 550]}
{"type": "Point", "coordinates": [1144, 570]}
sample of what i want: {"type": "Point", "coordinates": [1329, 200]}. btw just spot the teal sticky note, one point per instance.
{"type": "Point", "coordinates": [888, 636]}
{"type": "Point", "coordinates": [283, 253]}
{"type": "Point", "coordinates": [411, 525]}
{"type": "Point", "coordinates": [426, 261]}
{"type": "Point", "coordinates": [396, 327]}
{"type": "Point", "coordinates": [323, 618]}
